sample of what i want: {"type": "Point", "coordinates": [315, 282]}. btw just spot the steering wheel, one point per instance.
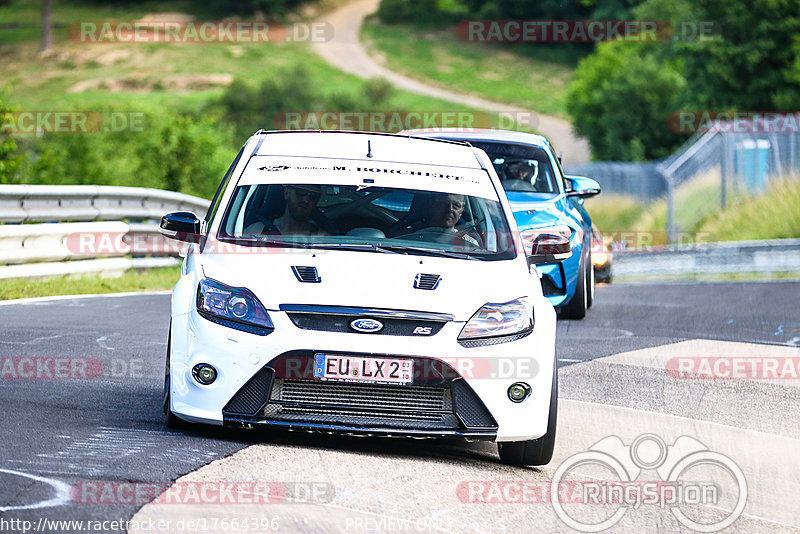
{"type": "Point", "coordinates": [438, 234]}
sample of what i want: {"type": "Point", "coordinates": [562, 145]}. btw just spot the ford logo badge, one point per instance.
{"type": "Point", "coordinates": [366, 325]}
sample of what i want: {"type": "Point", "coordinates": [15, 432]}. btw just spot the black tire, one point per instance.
{"type": "Point", "coordinates": [577, 305]}
{"type": "Point", "coordinates": [170, 419]}
{"type": "Point", "coordinates": [535, 451]}
{"type": "Point", "coordinates": [590, 280]}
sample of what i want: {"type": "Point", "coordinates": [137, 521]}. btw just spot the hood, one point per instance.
{"type": "Point", "coordinates": [534, 210]}
{"type": "Point", "coordinates": [369, 279]}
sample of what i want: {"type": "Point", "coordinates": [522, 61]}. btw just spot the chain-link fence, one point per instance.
{"type": "Point", "coordinates": [742, 155]}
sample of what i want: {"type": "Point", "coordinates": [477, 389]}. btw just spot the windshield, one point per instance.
{"type": "Point", "coordinates": [379, 219]}
{"type": "Point", "coordinates": [521, 167]}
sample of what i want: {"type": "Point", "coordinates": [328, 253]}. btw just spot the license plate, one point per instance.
{"type": "Point", "coordinates": [361, 369]}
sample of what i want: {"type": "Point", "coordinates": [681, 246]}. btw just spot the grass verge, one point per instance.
{"type": "Point", "coordinates": [771, 214]}
{"type": "Point", "coordinates": [494, 72]}
{"type": "Point", "coordinates": [148, 280]}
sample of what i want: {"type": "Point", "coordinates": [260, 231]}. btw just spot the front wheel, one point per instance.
{"type": "Point", "coordinates": [535, 451]}
{"type": "Point", "coordinates": [590, 280]}
{"type": "Point", "coordinates": [170, 419]}
{"type": "Point", "coordinates": [576, 307]}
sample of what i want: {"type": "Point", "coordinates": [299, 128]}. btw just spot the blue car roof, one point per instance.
{"type": "Point", "coordinates": [507, 136]}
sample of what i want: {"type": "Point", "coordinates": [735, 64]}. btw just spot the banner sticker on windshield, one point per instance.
{"type": "Point", "coordinates": [269, 169]}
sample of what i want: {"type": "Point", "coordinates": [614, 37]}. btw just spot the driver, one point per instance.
{"type": "Point", "coordinates": [444, 211]}
{"type": "Point", "coordinates": [518, 169]}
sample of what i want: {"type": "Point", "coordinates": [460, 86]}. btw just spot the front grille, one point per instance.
{"type": "Point", "coordinates": [469, 408]}
{"type": "Point", "coordinates": [489, 341]}
{"type": "Point", "coordinates": [284, 393]}
{"type": "Point", "coordinates": [362, 419]}
{"type": "Point", "coordinates": [549, 287]}
{"type": "Point", "coordinates": [427, 281]}
{"type": "Point", "coordinates": [253, 396]}
{"type": "Point", "coordinates": [341, 323]}
{"type": "Point", "coordinates": [307, 274]}
{"type": "Point", "coordinates": [378, 397]}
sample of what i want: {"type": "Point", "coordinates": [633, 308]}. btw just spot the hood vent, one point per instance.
{"type": "Point", "coordinates": [306, 274]}
{"type": "Point", "coordinates": [427, 281]}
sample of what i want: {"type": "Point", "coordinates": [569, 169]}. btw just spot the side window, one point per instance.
{"type": "Point", "coordinates": [212, 209]}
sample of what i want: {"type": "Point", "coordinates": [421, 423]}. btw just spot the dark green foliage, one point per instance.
{"type": "Point", "coordinates": [248, 108]}
{"type": "Point", "coordinates": [10, 157]}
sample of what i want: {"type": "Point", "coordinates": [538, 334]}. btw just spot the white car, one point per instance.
{"type": "Point", "coordinates": [364, 283]}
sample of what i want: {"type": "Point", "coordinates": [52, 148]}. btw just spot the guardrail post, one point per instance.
{"type": "Point", "coordinates": [670, 207]}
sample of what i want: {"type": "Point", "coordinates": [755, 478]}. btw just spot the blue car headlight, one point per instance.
{"type": "Point", "coordinates": [495, 320]}
{"type": "Point", "coordinates": [235, 307]}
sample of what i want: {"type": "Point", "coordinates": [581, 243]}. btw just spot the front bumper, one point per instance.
{"type": "Point", "coordinates": [285, 394]}
{"type": "Point", "coordinates": [465, 395]}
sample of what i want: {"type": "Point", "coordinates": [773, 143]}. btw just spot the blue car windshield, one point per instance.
{"type": "Point", "coordinates": [521, 168]}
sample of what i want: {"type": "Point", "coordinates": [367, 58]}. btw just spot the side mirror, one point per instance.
{"type": "Point", "coordinates": [181, 225]}
{"type": "Point", "coordinates": [581, 186]}
{"type": "Point", "coordinates": [549, 248]}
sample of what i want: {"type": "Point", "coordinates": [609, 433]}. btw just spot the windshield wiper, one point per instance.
{"type": "Point", "coordinates": [431, 251]}
{"type": "Point", "coordinates": [367, 247]}
{"type": "Point", "coordinates": [364, 247]}
{"type": "Point", "coordinates": [263, 241]}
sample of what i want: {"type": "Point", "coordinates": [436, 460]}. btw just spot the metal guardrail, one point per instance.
{"type": "Point", "coordinates": [760, 257]}
{"type": "Point", "coordinates": [57, 203]}
{"type": "Point", "coordinates": [54, 247]}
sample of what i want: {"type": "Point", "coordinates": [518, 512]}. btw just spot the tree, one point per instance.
{"type": "Point", "coordinates": [620, 99]}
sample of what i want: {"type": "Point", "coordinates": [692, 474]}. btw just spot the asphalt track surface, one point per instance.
{"type": "Point", "coordinates": [61, 435]}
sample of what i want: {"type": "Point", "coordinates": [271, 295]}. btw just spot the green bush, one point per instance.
{"type": "Point", "coordinates": [420, 12]}
{"type": "Point", "coordinates": [247, 108]}
{"type": "Point", "coordinates": [170, 151]}
{"type": "Point", "coordinates": [620, 99]}
{"type": "Point", "coordinates": [10, 157]}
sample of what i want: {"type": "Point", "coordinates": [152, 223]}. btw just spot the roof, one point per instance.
{"type": "Point", "coordinates": [507, 136]}
{"type": "Point", "coordinates": [366, 146]}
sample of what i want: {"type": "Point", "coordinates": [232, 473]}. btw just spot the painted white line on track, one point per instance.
{"type": "Point", "coordinates": [55, 298]}
{"type": "Point", "coordinates": [710, 351]}
{"type": "Point", "coordinates": [61, 497]}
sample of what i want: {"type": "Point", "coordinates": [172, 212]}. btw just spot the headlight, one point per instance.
{"type": "Point", "coordinates": [528, 236]}
{"type": "Point", "coordinates": [493, 320]}
{"type": "Point", "coordinates": [599, 258]}
{"type": "Point", "coordinates": [235, 307]}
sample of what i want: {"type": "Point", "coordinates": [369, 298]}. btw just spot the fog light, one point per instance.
{"type": "Point", "coordinates": [519, 391]}
{"type": "Point", "coordinates": [204, 373]}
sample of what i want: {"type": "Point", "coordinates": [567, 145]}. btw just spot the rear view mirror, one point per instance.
{"type": "Point", "coordinates": [549, 248]}
{"type": "Point", "coordinates": [181, 225]}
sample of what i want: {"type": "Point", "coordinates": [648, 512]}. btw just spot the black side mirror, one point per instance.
{"type": "Point", "coordinates": [549, 248]}
{"type": "Point", "coordinates": [181, 225]}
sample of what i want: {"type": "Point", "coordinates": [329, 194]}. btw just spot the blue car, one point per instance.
{"type": "Point", "coordinates": [544, 200]}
